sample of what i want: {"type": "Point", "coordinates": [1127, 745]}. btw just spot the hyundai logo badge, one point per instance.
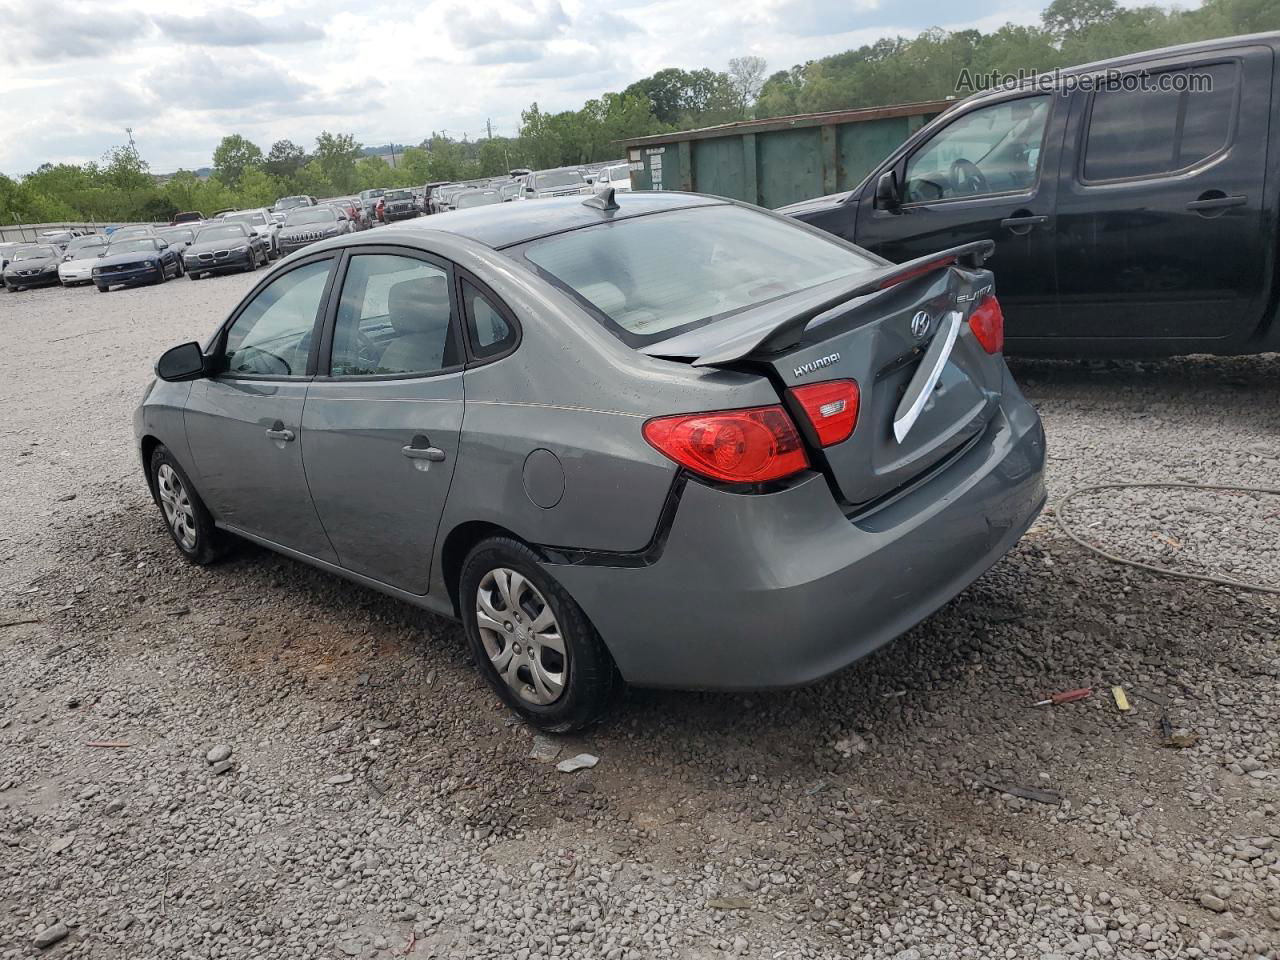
{"type": "Point", "coordinates": [920, 324]}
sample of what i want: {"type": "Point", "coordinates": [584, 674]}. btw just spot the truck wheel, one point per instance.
{"type": "Point", "coordinates": [531, 641]}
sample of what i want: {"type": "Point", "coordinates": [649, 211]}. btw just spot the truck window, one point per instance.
{"type": "Point", "coordinates": [1146, 133]}
{"type": "Point", "coordinates": [994, 149]}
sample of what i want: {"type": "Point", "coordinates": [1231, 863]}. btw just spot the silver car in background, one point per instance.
{"type": "Point", "coordinates": [660, 439]}
{"type": "Point", "coordinates": [555, 183]}
{"type": "Point", "coordinates": [260, 221]}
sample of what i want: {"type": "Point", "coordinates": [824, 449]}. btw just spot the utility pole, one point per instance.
{"type": "Point", "coordinates": [488, 125]}
{"type": "Point", "coordinates": [133, 148]}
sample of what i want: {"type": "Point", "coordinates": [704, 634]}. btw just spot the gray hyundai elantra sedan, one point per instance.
{"type": "Point", "coordinates": [652, 438]}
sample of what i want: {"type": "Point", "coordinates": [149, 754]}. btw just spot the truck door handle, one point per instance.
{"type": "Point", "coordinates": [279, 431]}
{"type": "Point", "coordinates": [1216, 200]}
{"type": "Point", "coordinates": [434, 454]}
{"type": "Point", "coordinates": [1021, 223]}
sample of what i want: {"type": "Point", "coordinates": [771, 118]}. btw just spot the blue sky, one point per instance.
{"type": "Point", "coordinates": [182, 76]}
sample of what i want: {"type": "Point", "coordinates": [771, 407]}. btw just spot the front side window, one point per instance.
{"type": "Point", "coordinates": [1144, 133]}
{"type": "Point", "coordinates": [395, 318]}
{"type": "Point", "coordinates": [653, 275]}
{"type": "Point", "coordinates": [994, 149]}
{"type": "Point", "coordinates": [272, 335]}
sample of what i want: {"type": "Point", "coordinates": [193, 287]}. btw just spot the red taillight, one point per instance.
{"type": "Point", "coordinates": [987, 324]}
{"type": "Point", "coordinates": [832, 408]}
{"type": "Point", "coordinates": [736, 446]}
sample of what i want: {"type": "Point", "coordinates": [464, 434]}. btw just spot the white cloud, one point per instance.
{"type": "Point", "coordinates": [182, 77]}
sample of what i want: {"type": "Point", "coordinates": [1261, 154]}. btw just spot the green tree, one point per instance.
{"type": "Point", "coordinates": [373, 172]}
{"type": "Point", "coordinates": [233, 156]}
{"type": "Point", "coordinates": [285, 159]}
{"type": "Point", "coordinates": [336, 154]}
{"type": "Point", "coordinates": [746, 77]}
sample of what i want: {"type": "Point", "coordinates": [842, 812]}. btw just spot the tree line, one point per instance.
{"type": "Point", "coordinates": [892, 70]}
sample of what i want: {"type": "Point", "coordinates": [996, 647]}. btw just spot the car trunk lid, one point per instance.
{"type": "Point", "coordinates": [926, 385]}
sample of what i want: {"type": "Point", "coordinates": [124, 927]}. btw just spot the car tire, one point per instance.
{"type": "Point", "coordinates": [515, 659]}
{"type": "Point", "coordinates": [193, 276]}
{"type": "Point", "coordinates": [102, 288]}
{"type": "Point", "coordinates": [185, 516]}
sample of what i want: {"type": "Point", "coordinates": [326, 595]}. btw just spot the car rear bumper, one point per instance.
{"type": "Point", "coordinates": [754, 591]}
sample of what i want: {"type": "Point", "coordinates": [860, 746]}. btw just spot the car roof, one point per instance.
{"type": "Point", "coordinates": [506, 224]}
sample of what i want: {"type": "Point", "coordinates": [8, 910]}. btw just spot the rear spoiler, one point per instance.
{"type": "Point", "coordinates": [772, 326]}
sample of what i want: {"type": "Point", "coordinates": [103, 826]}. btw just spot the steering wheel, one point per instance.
{"type": "Point", "coordinates": [966, 172]}
{"type": "Point", "coordinates": [367, 352]}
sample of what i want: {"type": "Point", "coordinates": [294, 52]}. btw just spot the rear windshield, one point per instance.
{"type": "Point", "coordinates": [652, 276]}
{"type": "Point", "coordinates": [558, 178]}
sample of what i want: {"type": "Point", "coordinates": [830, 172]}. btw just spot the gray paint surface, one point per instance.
{"type": "Point", "coordinates": [736, 571]}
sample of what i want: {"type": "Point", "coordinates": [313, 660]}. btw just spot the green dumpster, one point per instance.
{"type": "Point", "coordinates": [780, 160]}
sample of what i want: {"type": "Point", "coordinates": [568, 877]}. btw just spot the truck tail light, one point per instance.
{"type": "Point", "coordinates": [987, 324]}
{"type": "Point", "coordinates": [735, 446]}
{"type": "Point", "coordinates": [831, 407]}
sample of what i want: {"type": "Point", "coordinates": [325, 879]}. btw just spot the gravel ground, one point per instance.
{"type": "Point", "coordinates": [258, 760]}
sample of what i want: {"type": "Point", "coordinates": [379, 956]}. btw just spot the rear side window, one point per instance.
{"type": "Point", "coordinates": [651, 276]}
{"type": "Point", "coordinates": [488, 329]}
{"type": "Point", "coordinates": [1147, 133]}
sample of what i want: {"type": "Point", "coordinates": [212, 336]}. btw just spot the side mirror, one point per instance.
{"type": "Point", "coordinates": [183, 362]}
{"type": "Point", "coordinates": [887, 195]}
{"type": "Point", "coordinates": [163, 245]}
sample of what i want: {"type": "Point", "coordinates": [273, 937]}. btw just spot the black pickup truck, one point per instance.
{"type": "Point", "coordinates": [1130, 201]}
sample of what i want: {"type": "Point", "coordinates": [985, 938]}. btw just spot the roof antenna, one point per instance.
{"type": "Point", "coordinates": [602, 201]}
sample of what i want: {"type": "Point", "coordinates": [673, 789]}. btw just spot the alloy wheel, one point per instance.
{"type": "Point", "coordinates": [521, 636]}
{"type": "Point", "coordinates": [178, 511]}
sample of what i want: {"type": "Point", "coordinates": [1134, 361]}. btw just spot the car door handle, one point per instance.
{"type": "Point", "coordinates": [1216, 200]}
{"type": "Point", "coordinates": [1023, 224]}
{"type": "Point", "coordinates": [434, 454]}
{"type": "Point", "coordinates": [281, 433]}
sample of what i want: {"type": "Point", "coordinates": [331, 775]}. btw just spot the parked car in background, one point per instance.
{"type": "Point", "coordinates": [476, 197]}
{"type": "Point", "coordinates": [1132, 208]}
{"type": "Point", "coordinates": [452, 453]}
{"type": "Point", "coordinates": [519, 173]}
{"type": "Point", "coordinates": [226, 246]}
{"type": "Point", "coordinates": [306, 226]}
{"type": "Point", "coordinates": [509, 189]}
{"type": "Point", "coordinates": [285, 204]}
{"type": "Point", "coordinates": [554, 183]}
{"type": "Point", "coordinates": [32, 265]}
{"type": "Point", "coordinates": [260, 221]}
{"type": "Point", "coordinates": [140, 260]}
{"type": "Point", "coordinates": [617, 175]}
{"type": "Point", "coordinates": [6, 251]}
{"type": "Point", "coordinates": [369, 204]}
{"type": "Point", "coordinates": [187, 216]}
{"type": "Point", "coordinates": [59, 238]}
{"type": "Point", "coordinates": [398, 205]}
{"type": "Point", "coordinates": [178, 237]}
{"type": "Point", "coordinates": [78, 260]}
{"type": "Point", "coordinates": [129, 233]}
{"type": "Point", "coordinates": [428, 192]}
